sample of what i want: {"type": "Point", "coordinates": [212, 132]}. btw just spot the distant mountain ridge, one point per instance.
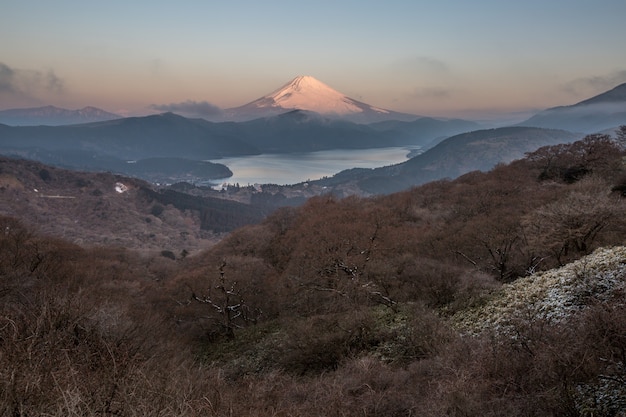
{"type": "Point", "coordinates": [478, 150]}
{"type": "Point", "coordinates": [162, 146]}
{"type": "Point", "coordinates": [617, 95]}
{"type": "Point", "coordinates": [54, 116]}
{"type": "Point", "coordinates": [174, 136]}
{"type": "Point", "coordinates": [601, 112]}
{"type": "Point", "coordinates": [308, 93]}
{"type": "Point", "coordinates": [426, 131]}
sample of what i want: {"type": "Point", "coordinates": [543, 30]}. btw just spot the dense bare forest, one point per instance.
{"type": "Point", "coordinates": [341, 307]}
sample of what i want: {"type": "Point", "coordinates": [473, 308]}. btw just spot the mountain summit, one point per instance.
{"type": "Point", "coordinates": [308, 93]}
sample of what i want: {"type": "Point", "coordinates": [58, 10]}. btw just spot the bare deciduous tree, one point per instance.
{"type": "Point", "coordinates": [572, 223]}
{"type": "Point", "coordinates": [571, 162]}
{"type": "Point", "coordinates": [228, 304]}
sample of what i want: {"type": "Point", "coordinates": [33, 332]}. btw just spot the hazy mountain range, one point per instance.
{"type": "Point", "coordinates": [54, 116]}
{"type": "Point", "coordinates": [598, 113]}
{"type": "Point", "coordinates": [99, 144]}
{"type": "Point", "coordinates": [304, 115]}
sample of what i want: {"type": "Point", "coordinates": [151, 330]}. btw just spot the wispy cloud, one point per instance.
{"type": "Point", "coordinates": [26, 86]}
{"type": "Point", "coordinates": [422, 64]}
{"type": "Point", "coordinates": [190, 108]}
{"type": "Point", "coordinates": [53, 83]}
{"type": "Point", "coordinates": [7, 76]}
{"type": "Point", "coordinates": [426, 74]}
{"type": "Point", "coordinates": [596, 84]}
{"type": "Point", "coordinates": [431, 92]}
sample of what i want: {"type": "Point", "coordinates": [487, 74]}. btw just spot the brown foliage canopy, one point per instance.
{"type": "Point", "coordinates": [348, 301]}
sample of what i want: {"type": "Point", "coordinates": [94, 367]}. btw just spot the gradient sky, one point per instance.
{"type": "Point", "coordinates": [449, 58]}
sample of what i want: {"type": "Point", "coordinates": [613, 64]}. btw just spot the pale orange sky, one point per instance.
{"type": "Point", "coordinates": [454, 58]}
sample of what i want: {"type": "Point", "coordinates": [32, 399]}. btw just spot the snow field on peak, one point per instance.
{"type": "Point", "coordinates": [307, 93]}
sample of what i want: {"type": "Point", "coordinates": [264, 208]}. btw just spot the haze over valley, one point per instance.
{"type": "Point", "coordinates": [302, 118]}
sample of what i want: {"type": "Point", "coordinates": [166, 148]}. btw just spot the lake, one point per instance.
{"type": "Point", "coordinates": [284, 169]}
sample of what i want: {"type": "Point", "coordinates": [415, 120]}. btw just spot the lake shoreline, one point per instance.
{"type": "Point", "coordinates": [289, 169]}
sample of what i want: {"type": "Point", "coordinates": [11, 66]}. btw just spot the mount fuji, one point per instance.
{"type": "Point", "coordinates": [309, 94]}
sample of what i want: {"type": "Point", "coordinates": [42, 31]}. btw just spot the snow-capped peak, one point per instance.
{"type": "Point", "coordinates": [307, 93]}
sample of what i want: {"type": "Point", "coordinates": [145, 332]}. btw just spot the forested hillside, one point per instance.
{"type": "Point", "coordinates": [386, 306]}
{"type": "Point", "coordinates": [106, 209]}
{"type": "Point", "coordinates": [479, 150]}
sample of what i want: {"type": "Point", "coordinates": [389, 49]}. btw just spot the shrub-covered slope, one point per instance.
{"type": "Point", "coordinates": [554, 295]}
{"type": "Point", "coordinates": [499, 293]}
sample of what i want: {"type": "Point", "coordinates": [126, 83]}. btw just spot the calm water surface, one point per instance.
{"type": "Point", "coordinates": [295, 168]}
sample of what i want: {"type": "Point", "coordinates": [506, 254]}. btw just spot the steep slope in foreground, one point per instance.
{"type": "Point", "coordinates": [307, 93]}
{"type": "Point", "coordinates": [526, 308]}
{"type": "Point", "coordinates": [341, 307]}
{"type": "Point", "coordinates": [553, 295]}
